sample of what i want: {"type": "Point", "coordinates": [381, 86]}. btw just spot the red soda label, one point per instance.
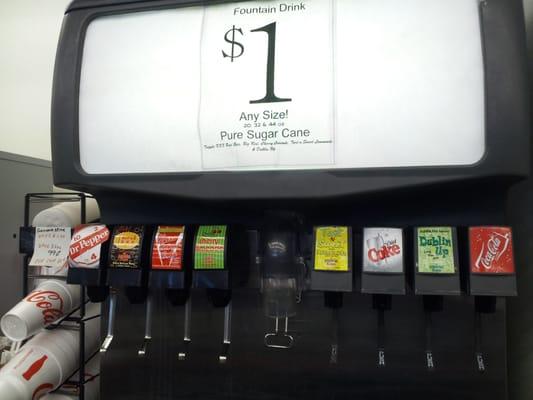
{"type": "Point", "coordinates": [167, 252]}
{"type": "Point", "coordinates": [86, 245]}
{"type": "Point", "coordinates": [491, 250]}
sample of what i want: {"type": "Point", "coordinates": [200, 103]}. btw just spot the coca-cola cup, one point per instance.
{"type": "Point", "coordinates": [50, 301]}
{"type": "Point", "coordinates": [47, 360]}
{"type": "Point", "coordinates": [69, 391]}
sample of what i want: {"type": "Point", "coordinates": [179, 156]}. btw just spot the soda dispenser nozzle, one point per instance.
{"type": "Point", "coordinates": [283, 273]}
{"type": "Point", "coordinates": [147, 326]}
{"type": "Point", "coordinates": [333, 301]}
{"type": "Point", "coordinates": [483, 305]}
{"type": "Point", "coordinates": [111, 321]}
{"type": "Point", "coordinates": [182, 355]}
{"type": "Point", "coordinates": [227, 335]}
{"type": "Point", "coordinates": [432, 303]}
{"type": "Point", "coordinates": [381, 303]}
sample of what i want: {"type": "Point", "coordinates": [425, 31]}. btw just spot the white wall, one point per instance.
{"type": "Point", "coordinates": [29, 30]}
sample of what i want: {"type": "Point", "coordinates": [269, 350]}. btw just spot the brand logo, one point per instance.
{"type": "Point", "coordinates": [50, 302]}
{"type": "Point", "coordinates": [491, 252]}
{"type": "Point", "coordinates": [127, 240]}
{"type": "Point", "coordinates": [34, 368]}
{"type": "Point", "coordinates": [383, 250]}
{"type": "Point", "coordinates": [87, 239]}
{"type": "Point", "coordinates": [389, 249]}
{"type": "Point", "coordinates": [435, 241]}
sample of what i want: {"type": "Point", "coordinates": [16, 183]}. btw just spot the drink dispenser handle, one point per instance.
{"type": "Point", "coordinates": [429, 346]}
{"type": "Point", "coordinates": [478, 340]}
{"type": "Point", "coordinates": [333, 301]}
{"type": "Point", "coordinates": [147, 327]}
{"type": "Point", "coordinates": [110, 322]}
{"type": "Point", "coordinates": [381, 337]}
{"type": "Point", "coordinates": [286, 340]}
{"type": "Point", "coordinates": [182, 355]}
{"type": "Point", "coordinates": [483, 305]}
{"type": "Point", "coordinates": [227, 335]}
{"type": "Point", "coordinates": [381, 302]}
{"type": "Point", "coordinates": [432, 304]}
{"type": "Point", "coordinates": [335, 337]}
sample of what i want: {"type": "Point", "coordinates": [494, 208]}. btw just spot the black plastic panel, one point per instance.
{"type": "Point", "coordinates": [507, 124]}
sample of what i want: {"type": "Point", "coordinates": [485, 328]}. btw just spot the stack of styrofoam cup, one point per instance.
{"type": "Point", "coordinates": [92, 388]}
{"type": "Point", "coordinates": [50, 301]}
{"type": "Point", "coordinates": [67, 214]}
{"type": "Point", "coordinates": [45, 362]}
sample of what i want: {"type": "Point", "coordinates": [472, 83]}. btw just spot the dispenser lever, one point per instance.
{"type": "Point", "coordinates": [430, 362]}
{"type": "Point", "coordinates": [335, 338]}
{"type": "Point", "coordinates": [147, 327]}
{"type": "Point", "coordinates": [186, 330]}
{"type": "Point", "coordinates": [110, 322]}
{"type": "Point", "coordinates": [227, 335]}
{"type": "Point", "coordinates": [381, 337]}
{"type": "Point", "coordinates": [270, 338]}
{"type": "Point", "coordinates": [478, 338]}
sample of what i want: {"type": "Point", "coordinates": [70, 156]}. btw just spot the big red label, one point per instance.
{"type": "Point", "coordinates": [167, 251]}
{"type": "Point", "coordinates": [491, 250]}
{"type": "Point", "coordinates": [383, 250]}
{"type": "Point", "coordinates": [86, 244]}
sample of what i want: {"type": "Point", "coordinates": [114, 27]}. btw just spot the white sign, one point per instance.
{"type": "Point", "coordinates": [51, 247]}
{"type": "Point", "coordinates": [275, 85]}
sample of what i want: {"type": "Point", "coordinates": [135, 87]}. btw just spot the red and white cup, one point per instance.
{"type": "Point", "coordinates": [45, 362]}
{"type": "Point", "coordinates": [50, 301]}
{"type": "Point", "coordinates": [92, 387]}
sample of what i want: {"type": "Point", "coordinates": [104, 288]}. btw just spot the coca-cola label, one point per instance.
{"type": "Point", "coordinates": [86, 245]}
{"type": "Point", "coordinates": [491, 250]}
{"type": "Point", "coordinates": [31, 365]}
{"type": "Point", "coordinates": [383, 250]}
{"type": "Point", "coordinates": [435, 250]}
{"type": "Point", "coordinates": [49, 302]}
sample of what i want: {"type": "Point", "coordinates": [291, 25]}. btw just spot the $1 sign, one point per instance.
{"type": "Point", "coordinates": [270, 30]}
{"type": "Point", "coordinates": [233, 43]}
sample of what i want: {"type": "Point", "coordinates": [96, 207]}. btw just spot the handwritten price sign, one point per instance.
{"type": "Point", "coordinates": [51, 247]}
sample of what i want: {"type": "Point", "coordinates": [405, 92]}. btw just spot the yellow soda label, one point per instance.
{"type": "Point", "coordinates": [331, 249]}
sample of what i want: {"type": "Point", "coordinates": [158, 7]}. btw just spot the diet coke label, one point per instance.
{"type": "Point", "coordinates": [491, 250]}
{"type": "Point", "coordinates": [86, 244]}
{"type": "Point", "coordinates": [383, 250]}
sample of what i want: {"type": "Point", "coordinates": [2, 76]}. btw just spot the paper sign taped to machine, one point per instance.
{"type": "Point", "coordinates": [260, 108]}
{"type": "Point", "coordinates": [51, 247]}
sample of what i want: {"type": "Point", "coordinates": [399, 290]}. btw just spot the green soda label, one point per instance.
{"type": "Point", "coordinates": [209, 247]}
{"type": "Point", "coordinates": [435, 250]}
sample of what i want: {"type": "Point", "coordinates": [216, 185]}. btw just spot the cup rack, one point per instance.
{"type": "Point", "coordinates": [80, 320]}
